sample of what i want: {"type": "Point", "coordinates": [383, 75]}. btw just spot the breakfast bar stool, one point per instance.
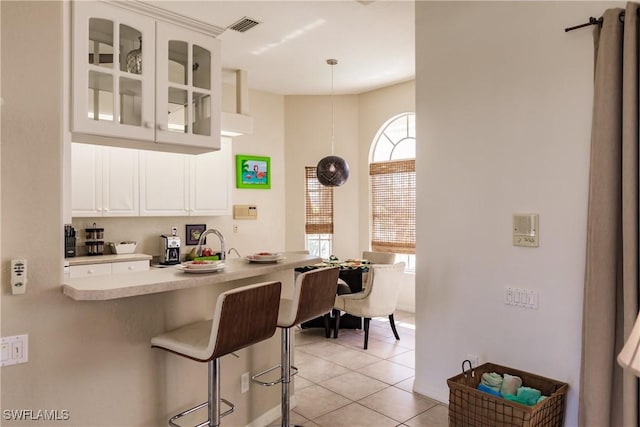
{"type": "Point", "coordinates": [314, 294]}
{"type": "Point", "coordinates": [209, 340]}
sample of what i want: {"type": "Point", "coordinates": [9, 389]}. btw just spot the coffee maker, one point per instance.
{"type": "Point", "coordinates": [169, 250]}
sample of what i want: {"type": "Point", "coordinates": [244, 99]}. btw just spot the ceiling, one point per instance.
{"type": "Point", "coordinates": [286, 53]}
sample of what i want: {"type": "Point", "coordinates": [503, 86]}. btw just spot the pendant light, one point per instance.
{"type": "Point", "coordinates": [332, 171]}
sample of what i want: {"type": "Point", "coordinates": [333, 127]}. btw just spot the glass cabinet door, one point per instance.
{"type": "Point", "coordinates": [188, 88]}
{"type": "Point", "coordinates": [113, 72]}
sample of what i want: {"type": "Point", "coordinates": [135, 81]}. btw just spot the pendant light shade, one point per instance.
{"type": "Point", "coordinates": [332, 171]}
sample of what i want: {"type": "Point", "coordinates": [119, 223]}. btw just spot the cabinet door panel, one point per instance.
{"type": "Point", "coordinates": [164, 184]}
{"type": "Point", "coordinates": [120, 185]}
{"type": "Point", "coordinates": [211, 182]}
{"type": "Point", "coordinates": [86, 180]}
{"type": "Point", "coordinates": [188, 87]}
{"type": "Point", "coordinates": [113, 72]}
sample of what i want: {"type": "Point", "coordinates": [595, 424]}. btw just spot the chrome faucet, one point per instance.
{"type": "Point", "coordinates": [201, 240]}
{"type": "Point", "coordinates": [234, 250]}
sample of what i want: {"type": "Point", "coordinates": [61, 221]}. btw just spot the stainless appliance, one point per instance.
{"type": "Point", "coordinates": [169, 250]}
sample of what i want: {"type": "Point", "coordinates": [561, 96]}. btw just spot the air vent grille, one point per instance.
{"type": "Point", "coordinates": [244, 24]}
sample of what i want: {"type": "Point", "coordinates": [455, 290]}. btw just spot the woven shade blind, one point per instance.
{"type": "Point", "coordinates": [319, 204]}
{"type": "Point", "coordinates": [393, 206]}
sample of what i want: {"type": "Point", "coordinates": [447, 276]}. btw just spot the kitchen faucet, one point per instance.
{"type": "Point", "coordinates": [201, 241]}
{"type": "Point", "coordinates": [234, 250]}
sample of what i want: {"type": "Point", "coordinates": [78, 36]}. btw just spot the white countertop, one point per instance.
{"type": "Point", "coordinates": [100, 259]}
{"type": "Point", "coordinates": [170, 278]}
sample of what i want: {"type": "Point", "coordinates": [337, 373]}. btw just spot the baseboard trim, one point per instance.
{"type": "Point", "coordinates": [271, 415]}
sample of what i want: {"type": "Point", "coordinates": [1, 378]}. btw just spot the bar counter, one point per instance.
{"type": "Point", "coordinates": [114, 286]}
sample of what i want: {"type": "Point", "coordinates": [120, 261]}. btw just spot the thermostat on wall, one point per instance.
{"type": "Point", "coordinates": [525, 230]}
{"type": "Point", "coordinates": [245, 212]}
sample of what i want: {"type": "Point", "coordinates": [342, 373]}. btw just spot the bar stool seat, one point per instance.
{"type": "Point", "coordinates": [242, 317]}
{"type": "Point", "coordinates": [314, 294]}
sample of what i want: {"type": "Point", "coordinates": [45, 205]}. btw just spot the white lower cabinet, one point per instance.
{"type": "Point", "coordinates": [186, 185]}
{"type": "Point", "coordinates": [129, 267]}
{"type": "Point", "coordinates": [103, 269]}
{"type": "Point", "coordinates": [104, 181]}
{"type": "Point", "coordinates": [89, 270]}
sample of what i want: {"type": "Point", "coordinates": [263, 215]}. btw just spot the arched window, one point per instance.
{"type": "Point", "coordinates": [392, 172]}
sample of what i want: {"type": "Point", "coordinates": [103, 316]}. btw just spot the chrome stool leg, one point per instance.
{"type": "Point", "coordinates": [213, 404]}
{"type": "Point", "coordinates": [285, 363]}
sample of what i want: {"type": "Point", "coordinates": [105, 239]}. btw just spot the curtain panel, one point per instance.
{"type": "Point", "coordinates": [608, 395]}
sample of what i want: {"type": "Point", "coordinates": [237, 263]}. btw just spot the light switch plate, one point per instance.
{"type": "Point", "coordinates": [15, 350]}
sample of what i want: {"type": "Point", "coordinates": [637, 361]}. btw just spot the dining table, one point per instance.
{"type": "Point", "coordinates": [353, 273]}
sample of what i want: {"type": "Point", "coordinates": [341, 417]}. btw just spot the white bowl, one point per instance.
{"type": "Point", "coordinates": [123, 248]}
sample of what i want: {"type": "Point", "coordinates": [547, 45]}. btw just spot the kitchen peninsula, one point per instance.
{"type": "Point", "coordinates": [166, 279]}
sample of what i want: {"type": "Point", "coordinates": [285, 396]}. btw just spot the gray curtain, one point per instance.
{"type": "Point", "coordinates": [609, 395]}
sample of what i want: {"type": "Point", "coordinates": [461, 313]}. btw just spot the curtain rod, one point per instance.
{"type": "Point", "coordinates": [592, 21]}
{"type": "Point", "coordinates": [597, 21]}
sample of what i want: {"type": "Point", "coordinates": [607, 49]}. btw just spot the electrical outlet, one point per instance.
{"type": "Point", "coordinates": [174, 231]}
{"type": "Point", "coordinates": [244, 382]}
{"type": "Point", "coordinates": [235, 228]}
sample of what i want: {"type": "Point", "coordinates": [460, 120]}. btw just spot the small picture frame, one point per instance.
{"type": "Point", "coordinates": [253, 172]}
{"type": "Point", "coordinates": [193, 233]}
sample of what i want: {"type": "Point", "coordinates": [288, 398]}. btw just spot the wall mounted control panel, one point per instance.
{"type": "Point", "coordinates": [18, 276]}
{"type": "Point", "coordinates": [525, 230]}
{"type": "Point", "coordinates": [245, 212]}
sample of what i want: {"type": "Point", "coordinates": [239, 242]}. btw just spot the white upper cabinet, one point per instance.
{"type": "Point", "coordinates": [138, 81]}
{"type": "Point", "coordinates": [164, 184]}
{"type": "Point", "coordinates": [104, 181]}
{"type": "Point", "coordinates": [187, 99]}
{"type": "Point", "coordinates": [113, 87]}
{"type": "Point", "coordinates": [211, 182]}
{"type": "Point", "coordinates": [173, 184]}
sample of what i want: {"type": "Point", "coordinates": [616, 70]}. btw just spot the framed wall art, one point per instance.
{"type": "Point", "coordinates": [193, 233]}
{"type": "Point", "coordinates": [253, 172]}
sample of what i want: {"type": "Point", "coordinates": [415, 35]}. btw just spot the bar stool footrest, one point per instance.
{"type": "Point", "coordinates": [232, 407]}
{"type": "Point", "coordinates": [255, 377]}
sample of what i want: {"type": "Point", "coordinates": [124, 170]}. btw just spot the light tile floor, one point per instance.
{"type": "Point", "coordinates": [341, 384]}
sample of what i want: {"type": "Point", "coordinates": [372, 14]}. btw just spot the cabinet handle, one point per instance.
{"type": "Point", "coordinates": [89, 271]}
{"type": "Point", "coordinates": [148, 125]}
{"type": "Point", "coordinates": [162, 127]}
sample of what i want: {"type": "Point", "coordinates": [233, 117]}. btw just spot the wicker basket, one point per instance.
{"type": "Point", "coordinates": [470, 407]}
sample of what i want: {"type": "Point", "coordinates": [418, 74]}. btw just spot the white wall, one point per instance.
{"type": "Point", "coordinates": [307, 140]}
{"type": "Point", "coordinates": [504, 101]}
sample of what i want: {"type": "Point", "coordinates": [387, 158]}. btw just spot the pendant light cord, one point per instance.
{"type": "Point", "coordinates": [332, 62]}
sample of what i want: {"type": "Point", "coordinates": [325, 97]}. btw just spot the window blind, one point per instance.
{"type": "Point", "coordinates": [319, 204]}
{"type": "Point", "coordinates": [393, 206]}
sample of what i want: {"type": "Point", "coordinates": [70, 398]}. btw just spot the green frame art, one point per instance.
{"type": "Point", "coordinates": [253, 172]}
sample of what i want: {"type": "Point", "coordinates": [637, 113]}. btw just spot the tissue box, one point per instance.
{"type": "Point", "coordinates": [123, 247]}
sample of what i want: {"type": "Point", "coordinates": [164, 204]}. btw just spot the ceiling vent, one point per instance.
{"type": "Point", "coordinates": [243, 25]}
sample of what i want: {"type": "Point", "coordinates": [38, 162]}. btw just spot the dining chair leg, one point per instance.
{"type": "Point", "coordinates": [336, 324]}
{"type": "Point", "coordinates": [366, 332]}
{"type": "Point", "coordinates": [326, 319]}
{"type": "Point", "coordinates": [393, 326]}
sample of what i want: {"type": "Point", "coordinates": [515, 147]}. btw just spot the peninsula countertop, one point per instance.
{"type": "Point", "coordinates": [166, 279]}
